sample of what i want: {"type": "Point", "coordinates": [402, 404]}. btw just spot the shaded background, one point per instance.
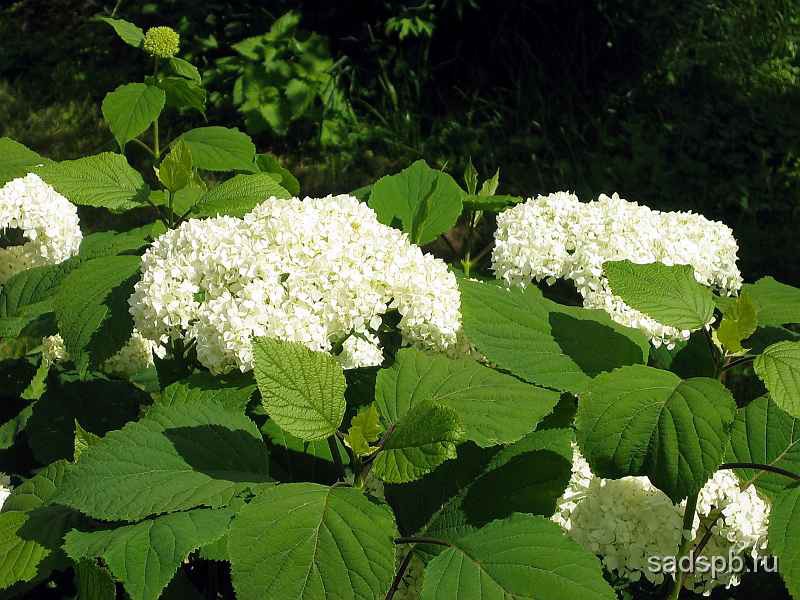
{"type": "Point", "coordinates": [686, 105]}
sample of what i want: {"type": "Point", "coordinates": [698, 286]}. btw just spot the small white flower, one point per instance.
{"type": "Point", "coordinates": [5, 488]}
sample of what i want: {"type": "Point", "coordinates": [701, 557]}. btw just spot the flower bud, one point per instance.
{"type": "Point", "coordinates": [162, 42]}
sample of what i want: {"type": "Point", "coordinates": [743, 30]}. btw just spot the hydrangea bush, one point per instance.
{"type": "Point", "coordinates": [260, 395]}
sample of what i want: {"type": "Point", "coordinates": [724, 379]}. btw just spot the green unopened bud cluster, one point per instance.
{"type": "Point", "coordinates": [162, 42]}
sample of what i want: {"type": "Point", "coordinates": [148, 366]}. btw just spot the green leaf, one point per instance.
{"type": "Point", "coordinates": [668, 294]}
{"type": "Point", "coordinates": [783, 533]}
{"type": "Point", "coordinates": [184, 459]}
{"type": "Point", "coordinates": [184, 68]}
{"type": "Point", "coordinates": [423, 438]}
{"type": "Point", "coordinates": [182, 93]}
{"type": "Point", "coordinates": [544, 342]}
{"type": "Point", "coordinates": [92, 309]}
{"type": "Point", "coordinates": [779, 368]}
{"type": "Point", "coordinates": [146, 555]}
{"type": "Point", "coordinates": [16, 424]}
{"type": "Point", "coordinates": [238, 195]}
{"type": "Point", "coordinates": [301, 390]}
{"type": "Point", "coordinates": [83, 439]}
{"type": "Point", "coordinates": [310, 542]}
{"type": "Point", "coordinates": [175, 171]}
{"type": "Point", "coordinates": [94, 582]}
{"type": "Point", "coordinates": [111, 243]}
{"type": "Point", "coordinates": [268, 163]}
{"type": "Point", "coordinates": [38, 384]}
{"type": "Point", "coordinates": [778, 303]}
{"type": "Point", "coordinates": [31, 531]}
{"type": "Point", "coordinates": [30, 293]}
{"type": "Point", "coordinates": [130, 109]}
{"type": "Point", "coordinates": [490, 203]}
{"type": "Point", "coordinates": [127, 32]}
{"type": "Point", "coordinates": [419, 200]}
{"type": "Point", "coordinates": [494, 408]}
{"type": "Point", "coordinates": [105, 180]}
{"type": "Point", "coordinates": [365, 428]}
{"type": "Point", "coordinates": [471, 178]}
{"type": "Point", "coordinates": [739, 322]}
{"type": "Point", "coordinates": [640, 420]}
{"type": "Point", "coordinates": [232, 391]}
{"type": "Point", "coordinates": [489, 186]}
{"type": "Point", "coordinates": [16, 160]}
{"type": "Point", "coordinates": [765, 434]}
{"type": "Point", "coordinates": [220, 149]}
{"type": "Point", "coordinates": [519, 557]}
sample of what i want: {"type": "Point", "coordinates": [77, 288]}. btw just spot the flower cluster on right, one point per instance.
{"type": "Point", "coordinates": [559, 237]}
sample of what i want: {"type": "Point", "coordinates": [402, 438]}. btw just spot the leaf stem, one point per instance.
{"type": "Point", "coordinates": [156, 147]}
{"type": "Point", "coordinates": [145, 146]}
{"type": "Point", "coordinates": [421, 540]}
{"type": "Point", "coordinates": [737, 362]}
{"type": "Point", "coordinates": [686, 545]}
{"type": "Point", "coordinates": [337, 458]}
{"type": "Point", "coordinates": [398, 578]}
{"type": "Point", "coordinates": [761, 467]}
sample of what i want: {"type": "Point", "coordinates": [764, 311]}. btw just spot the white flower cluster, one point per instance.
{"type": "Point", "coordinates": [320, 271]}
{"type": "Point", "coordinates": [627, 521]}
{"type": "Point", "coordinates": [5, 488]}
{"type": "Point", "coordinates": [135, 356]}
{"type": "Point", "coordinates": [559, 237]}
{"type": "Point", "coordinates": [49, 223]}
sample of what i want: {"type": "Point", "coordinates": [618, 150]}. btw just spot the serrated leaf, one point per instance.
{"type": "Point", "coordinates": [105, 180]}
{"type": "Point", "coordinates": [765, 434]}
{"type": "Point", "coordinates": [184, 68]}
{"type": "Point", "coordinates": [494, 408]}
{"type": "Point", "coordinates": [489, 186]}
{"type": "Point", "coordinates": [421, 439]}
{"type": "Point", "coordinates": [111, 243]}
{"type": "Point", "coordinates": [544, 342]}
{"type": "Point", "coordinates": [668, 294]}
{"type": "Point", "coordinates": [38, 384]}
{"type": "Point", "coordinates": [268, 163]}
{"type": "Point", "coordinates": [31, 531]}
{"type": "Point", "coordinates": [182, 93]}
{"type": "Point", "coordinates": [92, 309]}
{"type": "Point", "coordinates": [779, 368]}
{"type": "Point", "coordinates": [29, 292]}
{"type": "Point", "coordinates": [220, 149]}
{"type": "Point", "coordinates": [16, 160]}
{"type": "Point", "coordinates": [490, 203]}
{"type": "Point", "coordinates": [185, 459]}
{"type": "Point", "coordinates": [127, 32]}
{"type": "Point", "coordinates": [421, 201]}
{"type": "Point", "coordinates": [232, 391]}
{"type": "Point", "coordinates": [94, 582]}
{"type": "Point", "coordinates": [145, 556]}
{"type": "Point", "coordinates": [640, 420]}
{"type": "Point", "coordinates": [783, 533]}
{"type": "Point", "coordinates": [365, 428]}
{"type": "Point", "coordinates": [175, 171]}
{"type": "Point", "coordinates": [302, 460]}
{"type": "Point", "coordinates": [16, 424]}
{"type": "Point", "coordinates": [519, 557]}
{"type": "Point", "coordinates": [301, 390]}
{"type": "Point", "coordinates": [310, 542]}
{"type": "Point", "coordinates": [471, 177]}
{"type": "Point", "coordinates": [130, 109]}
{"type": "Point", "coordinates": [83, 439]}
{"type": "Point", "coordinates": [778, 303]}
{"type": "Point", "coordinates": [238, 196]}
{"type": "Point", "coordinates": [739, 322]}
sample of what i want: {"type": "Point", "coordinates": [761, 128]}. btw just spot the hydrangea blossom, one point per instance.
{"type": "Point", "coordinates": [48, 221]}
{"type": "Point", "coordinates": [626, 521]}
{"type": "Point", "coordinates": [135, 356]}
{"type": "Point", "coordinates": [5, 488]}
{"type": "Point", "coordinates": [319, 271]}
{"type": "Point", "coordinates": [558, 237]}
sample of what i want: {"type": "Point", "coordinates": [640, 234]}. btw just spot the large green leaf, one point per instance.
{"type": "Point", "coordinates": [145, 556]}
{"type": "Point", "coordinates": [92, 309]}
{"type": "Point", "coordinates": [784, 531]}
{"type": "Point", "coordinates": [183, 458]}
{"type": "Point", "coordinates": [494, 408]}
{"type": "Point", "coordinates": [778, 303]}
{"type": "Point", "coordinates": [544, 342]}
{"type": "Point", "coordinates": [220, 149]}
{"type": "Point", "coordinates": [421, 439]}
{"type": "Point", "coordinates": [310, 542]}
{"type": "Point", "coordinates": [421, 201]}
{"type": "Point", "coordinates": [302, 390]}
{"type": "Point", "coordinates": [765, 434]}
{"type": "Point", "coordinates": [668, 294]}
{"type": "Point", "coordinates": [182, 93]}
{"type": "Point", "coordinates": [230, 391]}
{"type": "Point", "coordinates": [31, 531]}
{"type": "Point", "coordinates": [130, 109]}
{"type": "Point", "coordinates": [238, 195]}
{"type": "Point", "coordinates": [127, 31]}
{"type": "Point", "coordinates": [105, 180]}
{"type": "Point", "coordinates": [779, 368]}
{"type": "Point", "coordinates": [519, 557]}
{"type": "Point", "coordinates": [16, 160]}
{"type": "Point", "coordinates": [30, 292]}
{"type": "Point", "coordinates": [640, 420]}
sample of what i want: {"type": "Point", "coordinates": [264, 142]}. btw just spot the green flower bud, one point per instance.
{"type": "Point", "coordinates": [162, 42]}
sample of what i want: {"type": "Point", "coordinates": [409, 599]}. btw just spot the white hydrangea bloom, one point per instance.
{"type": "Point", "coordinates": [360, 351]}
{"type": "Point", "coordinates": [135, 356]}
{"type": "Point", "coordinates": [318, 271]}
{"type": "Point", "coordinates": [626, 521]}
{"type": "Point", "coordinates": [5, 488]}
{"type": "Point", "coordinates": [558, 237]}
{"type": "Point", "coordinates": [49, 223]}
